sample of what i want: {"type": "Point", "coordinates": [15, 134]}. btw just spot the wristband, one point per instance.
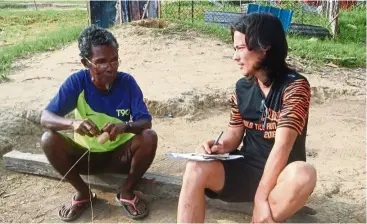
{"type": "Point", "coordinates": [128, 126]}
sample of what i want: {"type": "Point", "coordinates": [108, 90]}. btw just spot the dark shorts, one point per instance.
{"type": "Point", "coordinates": [115, 161]}
{"type": "Point", "coordinates": [241, 181]}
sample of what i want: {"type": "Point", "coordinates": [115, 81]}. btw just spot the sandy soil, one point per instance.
{"type": "Point", "coordinates": [190, 76]}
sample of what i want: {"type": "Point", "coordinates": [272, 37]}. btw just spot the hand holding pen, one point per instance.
{"type": "Point", "coordinates": [212, 146]}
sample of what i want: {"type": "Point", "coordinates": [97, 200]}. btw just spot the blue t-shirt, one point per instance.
{"type": "Point", "coordinates": [123, 102]}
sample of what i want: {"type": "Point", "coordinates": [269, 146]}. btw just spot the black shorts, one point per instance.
{"type": "Point", "coordinates": [241, 181]}
{"type": "Point", "coordinates": [114, 161]}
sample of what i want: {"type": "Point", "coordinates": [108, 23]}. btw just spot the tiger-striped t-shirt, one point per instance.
{"type": "Point", "coordinates": [286, 105]}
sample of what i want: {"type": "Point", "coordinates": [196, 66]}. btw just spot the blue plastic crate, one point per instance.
{"type": "Point", "coordinates": [285, 15]}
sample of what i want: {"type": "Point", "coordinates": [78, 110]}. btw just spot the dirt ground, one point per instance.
{"type": "Point", "coordinates": [191, 77]}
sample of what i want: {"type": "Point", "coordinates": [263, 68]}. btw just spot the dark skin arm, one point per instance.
{"type": "Point", "coordinates": [139, 126]}
{"type": "Point", "coordinates": [55, 122]}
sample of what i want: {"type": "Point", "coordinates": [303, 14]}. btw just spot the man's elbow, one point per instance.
{"type": "Point", "coordinates": [44, 119]}
{"type": "Point", "coordinates": [282, 151]}
{"type": "Point", "coordinates": [149, 125]}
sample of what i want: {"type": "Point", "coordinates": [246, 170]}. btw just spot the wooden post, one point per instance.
{"type": "Point", "coordinates": [35, 4]}
{"type": "Point", "coordinates": [159, 9]}
{"type": "Point", "coordinates": [333, 16]}
{"type": "Point", "coordinates": [324, 5]}
{"type": "Point", "coordinates": [145, 10]}
{"type": "Point", "coordinates": [179, 9]}
{"type": "Point", "coordinates": [163, 186]}
{"type": "Point", "coordinates": [151, 183]}
{"type": "Point", "coordinates": [119, 10]}
{"type": "Point", "coordinates": [192, 11]}
{"type": "Point", "coordinates": [89, 13]}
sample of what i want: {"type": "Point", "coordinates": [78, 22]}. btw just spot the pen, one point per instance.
{"type": "Point", "coordinates": [217, 140]}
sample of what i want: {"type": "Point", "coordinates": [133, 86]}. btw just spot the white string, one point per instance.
{"type": "Point", "coordinates": [71, 168]}
{"type": "Point", "coordinates": [90, 194]}
{"type": "Point", "coordinates": [52, 193]}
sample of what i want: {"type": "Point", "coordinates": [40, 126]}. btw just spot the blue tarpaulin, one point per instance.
{"type": "Point", "coordinates": [103, 13]}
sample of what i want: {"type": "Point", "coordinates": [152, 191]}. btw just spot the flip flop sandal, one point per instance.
{"type": "Point", "coordinates": [82, 205]}
{"type": "Point", "coordinates": [124, 203]}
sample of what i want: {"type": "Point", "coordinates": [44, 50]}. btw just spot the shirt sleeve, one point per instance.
{"type": "Point", "coordinates": [66, 98]}
{"type": "Point", "coordinates": [295, 105]}
{"type": "Point", "coordinates": [236, 118]}
{"type": "Point", "coordinates": [139, 109]}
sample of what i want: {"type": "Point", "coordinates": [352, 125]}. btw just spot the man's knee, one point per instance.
{"type": "Point", "coordinates": [48, 140]}
{"type": "Point", "coordinates": [303, 175]}
{"type": "Point", "coordinates": [198, 171]}
{"type": "Point", "coordinates": [150, 135]}
{"type": "Point", "coordinates": [298, 180]}
{"type": "Point", "coordinates": [150, 138]}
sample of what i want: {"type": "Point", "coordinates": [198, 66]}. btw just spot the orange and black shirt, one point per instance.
{"type": "Point", "coordinates": [286, 105]}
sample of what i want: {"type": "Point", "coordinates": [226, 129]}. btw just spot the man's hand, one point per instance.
{"type": "Point", "coordinates": [262, 212]}
{"type": "Point", "coordinates": [85, 127]}
{"type": "Point", "coordinates": [208, 147]}
{"type": "Point", "coordinates": [114, 129]}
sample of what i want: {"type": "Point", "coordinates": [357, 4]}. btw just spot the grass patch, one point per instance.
{"type": "Point", "coordinates": [15, 4]}
{"type": "Point", "coordinates": [324, 51]}
{"type": "Point", "coordinates": [350, 18]}
{"type": "Point", "coordinates": [28, 31]}
{"type": "Point", "coordinates": [11, 6]}
{"type": "Point", "coordinates": [210, 29]}
{"type": "Point", "coordinates": [348, 49]}
{"type": "Point", "coordinates": [42, 1]}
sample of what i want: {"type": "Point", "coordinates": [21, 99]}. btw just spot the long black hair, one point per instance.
{"type": "Point", "coordinates": [264, 32]}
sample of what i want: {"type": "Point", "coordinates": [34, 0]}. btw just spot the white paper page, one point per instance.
{"type": "Point", "coordinates": [195, 157]}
